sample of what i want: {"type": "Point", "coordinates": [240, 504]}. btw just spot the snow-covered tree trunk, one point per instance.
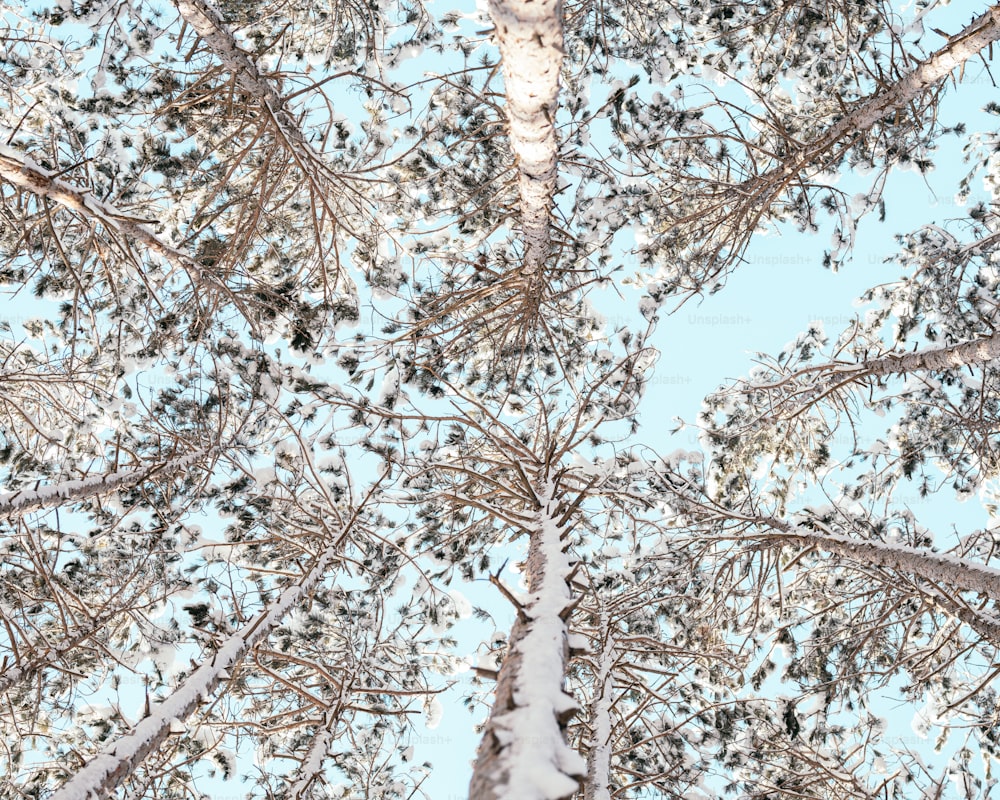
{"type": "Point", "coordinates": [834, 375]}
{"type": "Point", "coordinates": [987, 625]}
{"type": "Point", "coordinates": [523, 754]}
{"type": "Point", "coordinates": [120, 759]}
{"type": "Point", "coordinates": [958, 573]}
{"type": "Point", "coordinates": [598, 784]}
{"type": "Point", "coordinates": [57, 494]}
{"type": "Point", "coordinates": [964, 354]}
{"type": "Point", "coordinates": [209, 24]}
{"type": "Point", "coordinates": [530, 36]}
{"type": "Point", "coordinates": [962, 47]}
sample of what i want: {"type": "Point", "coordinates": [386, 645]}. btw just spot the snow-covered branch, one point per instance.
{"type": "Point", "coordinates": [523, 754]}
{"type": "Point", "coordinates": [312, 764]}
{"type": "Point", "coordinates": [963, 354]}
{"type": "Point", "coordinates": [530, 36]}
{"type": "Point", "coordinates": [42, 656]}
{"type": "Point", "coordinates": [957, 573]}
{"type": "Point", "coordinates": [25, 500]}
{"type": "Point", "coordinates": [21, 171]}
{"type": "Point", "coordinates": [112, 766]}
{"type": "Point", "coordinates": [960, 573]}
{"type": "Point", "coordinates": [756, 194]}
{"type": "Point", "coordinates": [209, 24]}
{"type": "Point", "coordinates": [791, 393]}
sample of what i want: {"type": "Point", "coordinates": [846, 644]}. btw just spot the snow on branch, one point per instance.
{"type": "Point", "coordinates": [977, 351]}
{"type": "Point", "coordinates": [956, 573]}
{"type": "Point", "coordinates": [44, 655]}
{"type": "Point", "coordinates": [209, 24]}
{"type": "Point", "coordinates": [754, 196]}
{"type": "Point", "coordinates": [523, 754]}
{"type": "Point", "coordinates": [20, 170]}
{"type": "Point", "coordinates": [312, 765]}
{"type": "Point", "coordinates": [959, 573]}
{"type": "Point", "coordinates": [796, 390]}
{"type": "Point", "coordinates": [21, 502]}
{"type": "Point", "coordinates": [530, 36]}
{"type": "Point", "coordinates": [121, 758]}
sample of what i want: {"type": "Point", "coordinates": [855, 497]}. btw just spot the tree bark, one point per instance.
{"type": "Point", "coordinates": [756, 194]}
{"type": "Point", "coordinates": [120, 759]}
{"type": "Point", "coordinates": [523, 754]}
{"type": "Point", "coordinates": [598, 785]}
{"type": "Point", "coordinates": [530, 36]}
{"type": "Point", "coordinates": [13, 504]}
{"type": "Point", "coordinates": [959, 573]}
{"type": "Point", "coordinates": [964, 354]}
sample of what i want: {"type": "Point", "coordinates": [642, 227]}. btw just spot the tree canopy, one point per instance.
{"type": "Point", "coordinates": [320, 316]}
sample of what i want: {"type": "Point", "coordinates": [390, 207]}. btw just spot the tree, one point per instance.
{"type": "Point", "coordinates": [309, 340]}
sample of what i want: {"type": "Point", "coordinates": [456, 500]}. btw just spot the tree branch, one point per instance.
{"type": "Point", "coordinates": [14, 504]}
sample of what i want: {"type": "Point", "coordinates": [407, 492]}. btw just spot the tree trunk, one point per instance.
{"type": "Point", "coordinates": [210, 26]}
{"type": "Point", "coordinates": [757, 193]}
{"type": "Point", "coordinates": [598, 785]}
{"type": "Point", "coordinates": [523, 754]}
{"type": "Point", "coordinates": [530, 36]}
{"type": "Point", "coordinates": [13, 504]}
{"type": "Point", "coordinates": [964, 354]}
{"type": "Point", "coordinates": [120, 759]}
{"type": "Point", "coordinates": [833, 376]}
{"type": "Point", "coordinates": [958, 573]}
